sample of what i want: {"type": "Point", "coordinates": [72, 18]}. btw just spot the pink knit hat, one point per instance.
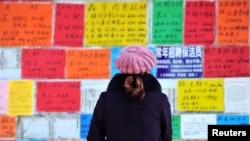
{"type": "Point", "coordinates": [135, 59]}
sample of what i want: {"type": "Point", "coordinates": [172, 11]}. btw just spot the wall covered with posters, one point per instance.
{"type": "Point", "coordinates": [57, 56]}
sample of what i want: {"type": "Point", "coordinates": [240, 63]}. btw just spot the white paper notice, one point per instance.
{"type": "Point", "coordinates": [10, 58]}
{"type": "Point", "coordinates": [65, 128]}
{"type": "Point", "coordinates": [90, 91]}
{"type": "Point", "coordinates": [3, 96]}
{"type": "Point", "coordinates": [169, 87]}
{"type": "Point", "coordinates": [195, 126]}
{"type": "Point", "coordinates": [28, 127]}
{"type": "Point", "coordinates": [10, 74]}
{"type": "Point", "coordinates": [237, 95]}
{"type": "Point", "coordinates": [10, 61]}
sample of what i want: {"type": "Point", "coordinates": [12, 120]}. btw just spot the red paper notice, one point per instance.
{"type": "Point", "coordinates": [226, 62]}
{"type": "Point", "coordinates": [69, 21]}
{"type": "Point", "coordinates": [199, 22]}
{"type": "Point", "coordinates": [58, 96]}
{"type": "Point", "coordinates": [43, 63]}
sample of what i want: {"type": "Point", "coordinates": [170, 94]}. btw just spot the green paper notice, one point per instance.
{"type": "Point", "coordinates": [167, 23]}
{"type": "Point", "coordinates": [176, 119]}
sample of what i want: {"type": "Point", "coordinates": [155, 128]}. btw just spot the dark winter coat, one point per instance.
{"type": "Point", "coordinates": [120, 117]}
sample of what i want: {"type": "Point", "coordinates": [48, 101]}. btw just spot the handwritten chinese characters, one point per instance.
{"type": "Point", "coordinates": [58, 96]}
{"type": "Point", "coordinates": [176, 119]}
{"type": "Point", "coordinates": [200, 95]}
{"type": "Point", "coordinates": [232, 119]}
{"type": "Point", "coordinates": [84, 124]}
{"type": "Point", "coordinates": [167, 21]}
{"type": "Point", "coordinates": [69, 25]}
{"type": "Point", "coordinates": [20, 97]}
{"type": "Point", "coordinates": [199, 22]}
{"type": "Point", "coordinates": [179, 62]}
{"type": "Point", "coordinates": [233, 23]}
{"type": "Point", "coordinates": [230, 61]}
{"type": "Point", "coordinates": [88, 63]}
{"type": "Point", "coordinates": [43, 63]}
{"type": "Point", "coordinates": [7, 127]}
{"type": "Point", "coordinates": [25, 24]}
{"type": "Point", "coordinates": [116, 23]}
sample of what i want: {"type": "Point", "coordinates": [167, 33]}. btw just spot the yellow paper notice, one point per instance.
{"type": "Point", "coordinates": [116, 23]}
{"type": "Point", "coordinates": [20, 100]}
{"type": "Point", "coordinates": [200, 95]}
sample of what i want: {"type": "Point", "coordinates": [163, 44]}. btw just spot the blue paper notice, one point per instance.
{"type": "Point", "coordinates": [115, 51]}
{"type": "Point", "coordinates": [179, 61]}
{"type": "Point", "coordinates": [85, 123]}
{"type": "Point", "coordinates": [233, 119]}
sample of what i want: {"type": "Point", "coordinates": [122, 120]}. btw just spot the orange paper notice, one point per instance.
{"type": "Point", "coordinates": [233, 22]}
{"type": "Point", "coordinates": [25, 24]}
{"type": "Point", "coordinates": [88, 63]}
{"type": "Point", "coordinates": [7, 126]}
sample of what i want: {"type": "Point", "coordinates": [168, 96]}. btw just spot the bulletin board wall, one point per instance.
{"type": "Point", "coordinates": [56, 57]}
